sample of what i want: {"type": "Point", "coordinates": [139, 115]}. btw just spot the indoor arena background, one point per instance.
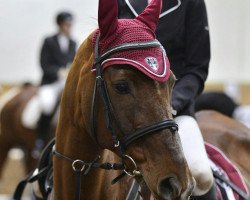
{"type": "Point", "coordinates": [24, 24]}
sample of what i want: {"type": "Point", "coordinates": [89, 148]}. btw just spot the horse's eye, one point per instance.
{"type": "Point", "coordinates": [122, 88]}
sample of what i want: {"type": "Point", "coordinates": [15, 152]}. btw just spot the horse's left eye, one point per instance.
{"type": "Point", "coordinates": [122, 88]}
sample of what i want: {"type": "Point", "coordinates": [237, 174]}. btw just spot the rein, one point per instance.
{"type": "Point", "coordinates": [82, 167]}
{"type": "Point", "coordinates": [86, 166]}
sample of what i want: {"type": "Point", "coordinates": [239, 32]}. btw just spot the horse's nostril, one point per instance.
{"type": "Point", "coordinates": [169, 187]}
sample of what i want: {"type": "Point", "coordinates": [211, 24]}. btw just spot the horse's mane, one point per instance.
{"type": "Point", "coordinates": [83, 56]}
{"type": "Point", "coordinates": [79, 82]}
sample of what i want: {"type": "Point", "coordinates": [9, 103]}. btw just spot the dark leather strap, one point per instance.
{"type": "Point", "coordinates": [78, 185]}
{"type": "Point", "coordinates": [234, 187]}
{"type": "Point", "coordinates": [29, 179]}
{"type": "Point", "coordinates": [93, 118]}
{"type": "Point", "coordinates": [167, 124]}
{"type": "Point", "coordinates": [118, 178]}
{"type": "Point", "coordinates": [106, 166]}
{"type": "Point", "coordinates": [133, 192]}
{"type": "Point", "coordinates": [43, 169]}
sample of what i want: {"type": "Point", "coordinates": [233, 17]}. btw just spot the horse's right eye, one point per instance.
{"type": "Point", "coordinates": [122, 88]}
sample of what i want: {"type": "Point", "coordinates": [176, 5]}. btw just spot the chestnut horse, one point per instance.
{"type": "Point", "coordinates": [12, 132]}
{"type": "Point", "coordinates": [126, 100]}
{"type": "Point", "coordinates": [229, 135]}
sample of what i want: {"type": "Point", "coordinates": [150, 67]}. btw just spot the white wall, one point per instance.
{"type": "Point", "coordinates": [230, 40]}
{"type": "Point", "coordinates": [23, 24]}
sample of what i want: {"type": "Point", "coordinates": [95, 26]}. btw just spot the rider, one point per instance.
{"type": "Point", "coordinates": [184, 33]}
{"type": "Point", "coordinates": [57, 54]}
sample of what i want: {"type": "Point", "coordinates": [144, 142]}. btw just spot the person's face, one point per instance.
{"type": "Point", "coordinates": [66, 27]}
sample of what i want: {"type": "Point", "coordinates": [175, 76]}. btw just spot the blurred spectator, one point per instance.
{"type": "Point", "coordinates": [57, 54]}
{"type": "Point", "coordinates": [58, 50]}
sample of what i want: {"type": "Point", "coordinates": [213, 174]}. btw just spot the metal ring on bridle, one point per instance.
{"type": "Point", "coordinates": [117, 144]}
{"type": "Point", "coordinates": [78, 165]}
{"type": "Point", "coordinates": [133, 173]}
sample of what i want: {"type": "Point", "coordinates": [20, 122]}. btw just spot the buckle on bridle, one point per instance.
{"type": "Point", "coordinates": [117, 144]}
{"type": "Point", "coordinates": [135, 171]}
{"type": "Point", "coordinates": [78, 165]}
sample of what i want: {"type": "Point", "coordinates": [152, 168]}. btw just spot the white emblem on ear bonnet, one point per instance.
{"type": "Point", "coordinates": [152, 62]}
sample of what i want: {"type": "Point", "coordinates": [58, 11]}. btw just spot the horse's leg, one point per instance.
{"type": "Point", "coordinates": [30, 162]}
{"type": "Point", "coordinates": [5, 146]}
{"type": "Point", "coordinates": [28, 147]}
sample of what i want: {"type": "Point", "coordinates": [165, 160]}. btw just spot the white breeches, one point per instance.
{"type": "Point", "coordinates": [49, 95]}
{"type": "Point", "coordinates": [195, 153]}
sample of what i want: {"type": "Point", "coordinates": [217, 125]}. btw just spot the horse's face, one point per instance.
{"type": "Point", "coordinates": [139, 101]}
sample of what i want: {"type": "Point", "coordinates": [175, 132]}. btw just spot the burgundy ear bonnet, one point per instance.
{"type": "Point", "coordinates": [113, 32]}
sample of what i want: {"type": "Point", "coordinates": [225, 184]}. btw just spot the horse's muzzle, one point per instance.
{"type": "Point", "coordinates": [170, 188]}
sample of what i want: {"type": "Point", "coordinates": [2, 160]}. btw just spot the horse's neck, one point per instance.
{"type": "Point", "coordinates": [75, 145]}
{"type": "Point", "coordinates": [95, 185]}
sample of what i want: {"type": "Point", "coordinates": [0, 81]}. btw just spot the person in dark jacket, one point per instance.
{"type": "Point", "coordinates": [57, 54]}
{"type": "Point", "coordinates": [58, 51]}
{"type": "Point", "coordinates": [184, 33]}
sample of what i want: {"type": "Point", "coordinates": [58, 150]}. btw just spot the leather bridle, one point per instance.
{"type": "Point", "coordinates": [110, 119]}
{"type": "Point", "coordinates": [121, 144]}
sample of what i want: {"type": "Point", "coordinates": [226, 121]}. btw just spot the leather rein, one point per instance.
{"type": "Point", "coordinates": [121, 144]}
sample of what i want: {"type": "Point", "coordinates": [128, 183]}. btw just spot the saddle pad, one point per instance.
{"type": "Point", "coordinates": [221, 164]}
{"type": "Point", "coordinates": [31, 113]}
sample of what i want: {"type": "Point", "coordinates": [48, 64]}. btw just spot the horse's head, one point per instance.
{"type": "Point", "coordinates": [134, 84]}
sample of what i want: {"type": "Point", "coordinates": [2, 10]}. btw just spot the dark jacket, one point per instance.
{"type": "Point", "coordinates": [52, 58]}
{"type": "Point", "coordinates": [184, 34]}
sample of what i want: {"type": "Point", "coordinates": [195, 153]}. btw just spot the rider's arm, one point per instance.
{"type": "Point", "coordinates": [197, 55]}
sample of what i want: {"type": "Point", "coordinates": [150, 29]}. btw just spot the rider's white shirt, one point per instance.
{"type": "Point", "coordinates": [63, 41]}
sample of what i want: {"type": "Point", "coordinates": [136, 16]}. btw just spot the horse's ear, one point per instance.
{"type": "Point", "coordinates": [150, 16]}
{"type": "Point", "coordinates": [107, 17]}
